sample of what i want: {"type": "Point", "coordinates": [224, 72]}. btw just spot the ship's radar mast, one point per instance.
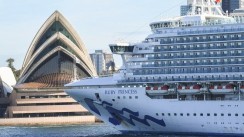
{"type": "Point", "coordinates": [201, 13]}
{"type": "Point", "coordinates": [205, 7]}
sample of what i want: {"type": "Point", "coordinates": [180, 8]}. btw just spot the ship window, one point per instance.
{"type": "Point", "coordinates": [229, 114]}
{"type": "Point", "coordinates": [188, 114]}
{"type": "Point", "coordinates": [208, 114]}
{"type": "Point", "coordinates": [118, 97]}
{"type": "Point", "coordinates": [162, 114]}
{"type": "Point", "coordinates": [156, 114]}
{"type": "Point", "coordinates": [236, 115]}
{"type": "Point", "coordinates": [201, 114]}
{"type": "Point", "coordinates": [215, 114]}
{"type": "Point", "coordinates": [175, 114]}
{"type": "Point", "coordinates": [181, 114]}
{"type": "Point", "coordinates": [168, 114]}
{"type": "Point", "coordinates": [136, 97]}
{"type": "Point", "coordinates": [130, 97]}
{"type": "Point", "coordinates": [124, 97]}
{"type": "Point", "coordinates": [194, 114]}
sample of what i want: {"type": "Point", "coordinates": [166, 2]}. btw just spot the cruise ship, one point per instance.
{"type": "Point", "coordinates": [187, 77]}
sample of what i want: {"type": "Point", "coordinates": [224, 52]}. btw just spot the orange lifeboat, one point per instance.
{"type": "Point", "coordinates": [189, 89]}
{"type": "Point", "coordinates": [242, 88]}
{"type": "Point", "coordinates": [222, 89]}
{"type": "Point", "coordinates": [157, 90]}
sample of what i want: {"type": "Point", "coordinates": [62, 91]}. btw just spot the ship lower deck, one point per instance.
{"type": "Point", "coordinates": [132, 110]}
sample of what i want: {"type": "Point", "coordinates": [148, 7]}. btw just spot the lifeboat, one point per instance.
{"type": "Point", "coordinates": [229, 88]}
{"type": "Point", "coordinates": [189, 89]}
{"type": "Point", "coordinates": [157, 90]}
{"type": "Point", "coordinates": [242, 88]}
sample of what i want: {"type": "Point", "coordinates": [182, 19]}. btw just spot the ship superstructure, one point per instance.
{"type": "Point", "coordinates": [186, 77]}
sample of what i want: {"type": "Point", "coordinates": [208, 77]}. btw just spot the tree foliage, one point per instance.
{"type": "Point", "coordinates": [10, 62]}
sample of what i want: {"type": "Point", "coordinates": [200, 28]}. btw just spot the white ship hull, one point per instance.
{"type": "Point", "coordinates": [142, 114]}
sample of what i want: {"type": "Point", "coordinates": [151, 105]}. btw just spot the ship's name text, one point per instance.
{"type": "Point", "coordinates": [122, 91]}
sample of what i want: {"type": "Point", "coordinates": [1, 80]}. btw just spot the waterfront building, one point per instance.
{"type": "Point", "coordinates": [55, 57]}
{"type": "Point", "coordinates": [231, 5]}
{"type": "Point", "coordinates": [102, 61]}
{"type": "Point", "coordinates": [184, 9]}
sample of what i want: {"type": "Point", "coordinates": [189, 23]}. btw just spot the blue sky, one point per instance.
{"type": "Point", "coordinates": [98, 22]}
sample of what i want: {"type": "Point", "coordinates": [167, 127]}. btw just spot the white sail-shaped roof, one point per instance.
{"type": "Point", "coordinates": [56, 29]}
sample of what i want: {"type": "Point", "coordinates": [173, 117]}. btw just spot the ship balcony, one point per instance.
{"type": "Point", "coordinates": [207, 56]}
{"type": "Point", "coordinates": [181, 79]}
{"type": "Point", "coordinates": [197, 48]}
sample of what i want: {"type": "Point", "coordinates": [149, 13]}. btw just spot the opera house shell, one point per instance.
{"type": "Point", "coordinates": [7, 81]}
{"type": "Point", "coordinates": [55, 57]}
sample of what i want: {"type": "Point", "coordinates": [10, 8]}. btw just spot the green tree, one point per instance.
{"type": "Point", "coordinates": [10, 62]}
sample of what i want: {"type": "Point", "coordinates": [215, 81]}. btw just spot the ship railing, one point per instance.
{"type": "Point", "coordinates": [175, 80]}
{"type": "Point", "coordinates": [210, 31]}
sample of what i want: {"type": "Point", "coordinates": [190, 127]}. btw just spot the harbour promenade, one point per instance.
{"type": "Point", "coordinates": [42, 121]}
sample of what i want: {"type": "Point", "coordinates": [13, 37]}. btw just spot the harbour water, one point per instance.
{"type": "Point", "coordinates": [93, 130]}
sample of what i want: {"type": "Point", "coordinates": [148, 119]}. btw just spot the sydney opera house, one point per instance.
{"type": "Point", "coordinates": [55, 57]}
